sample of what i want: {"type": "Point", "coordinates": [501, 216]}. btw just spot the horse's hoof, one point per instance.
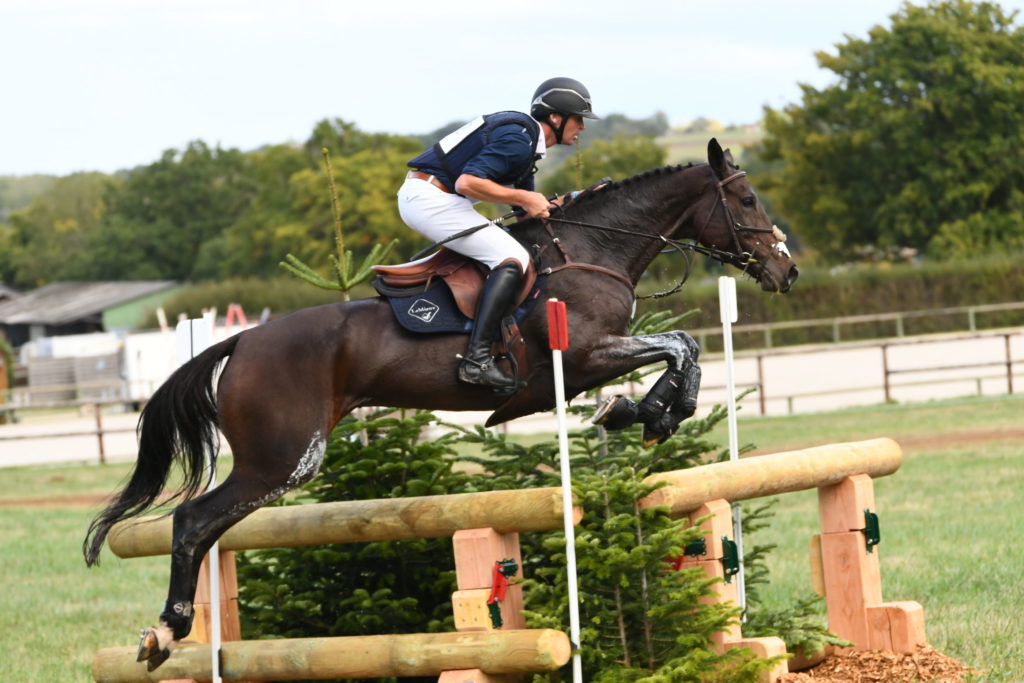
{"type": "Point", "coordinates": [650, 437]}
{"type": "Point", "coordinates": [616, 412]}
{"type": "Point", "coordinates": [159, 658]}
{"type": "Point", "coordinates": [148, 645]}
{"type": "Point", "coordinates": [150, 650]}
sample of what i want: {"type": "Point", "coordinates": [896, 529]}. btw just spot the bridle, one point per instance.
{"type": "Point", "coordinates": [741, 259]}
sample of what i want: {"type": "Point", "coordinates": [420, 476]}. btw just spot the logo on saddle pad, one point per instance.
{"type": "Point", "coordinates": [424, 310]}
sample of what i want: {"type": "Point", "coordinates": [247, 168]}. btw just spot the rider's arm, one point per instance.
{"type": "Point", "coordinates": [482, 189]}
{"type": "Point", "coordinates": [509, 150]}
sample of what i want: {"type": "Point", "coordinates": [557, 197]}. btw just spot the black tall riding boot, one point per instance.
{"type": "Point", "coordinates": [478, 366]}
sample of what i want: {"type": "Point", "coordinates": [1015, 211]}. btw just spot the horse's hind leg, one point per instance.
{"type": "Point", "coordinates": [198, 523]}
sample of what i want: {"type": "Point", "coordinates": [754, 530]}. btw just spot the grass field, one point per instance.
{"type": "Point", "coordinates": [950, 519]}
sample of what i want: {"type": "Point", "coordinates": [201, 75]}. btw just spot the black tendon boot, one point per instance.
{"type": "Point", "coordinates": [478, 365]}
{"type": "Point", "coordinates": [672, 399]}
{"type": "Point", "coordinates": [660, 422]}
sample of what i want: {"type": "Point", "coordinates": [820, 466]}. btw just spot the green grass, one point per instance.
{"type": "Point", "coordinates": [913, 421]}
{"type": "Point", "coordinates": [950, 518]}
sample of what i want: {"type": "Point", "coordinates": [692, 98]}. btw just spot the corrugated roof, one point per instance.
{"type": "Point", "coordinates": [63, 302]}
{"type": "Point", "coordinates": [7, 292]}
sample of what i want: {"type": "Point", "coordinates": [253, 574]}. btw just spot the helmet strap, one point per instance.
{"type": "Point", "coordinates": [561, 127]}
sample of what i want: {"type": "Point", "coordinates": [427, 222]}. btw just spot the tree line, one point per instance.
{"type": "Point", "coordinates": [916, 148]}
{"type": "Point", "coordinates": [207, 213]}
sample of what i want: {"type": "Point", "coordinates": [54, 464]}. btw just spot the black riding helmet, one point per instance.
{"type": "Point", "coordinates": [561, 95]}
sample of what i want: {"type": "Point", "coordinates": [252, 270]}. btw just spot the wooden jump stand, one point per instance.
{"type": "Point", "coordinates": [846, 572]}
{"type": "Point", "coordinates": [484, 528]}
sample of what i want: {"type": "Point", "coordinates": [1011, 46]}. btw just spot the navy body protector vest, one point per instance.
{"type": "Point", "coordinates": [452, 152]}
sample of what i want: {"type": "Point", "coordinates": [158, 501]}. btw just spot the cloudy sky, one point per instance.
{"type": "Point", "coordinates": [110, 84]}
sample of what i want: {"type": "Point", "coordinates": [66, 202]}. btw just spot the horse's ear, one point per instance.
{"type": "Point", "coordinates": [717, 158]}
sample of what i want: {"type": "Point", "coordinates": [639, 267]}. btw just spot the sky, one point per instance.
{"type": "Point", "coordinates": [107, 85]}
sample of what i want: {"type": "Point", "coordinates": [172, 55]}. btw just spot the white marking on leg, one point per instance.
{"type": "Point", "coordinates": [165, 637]}
{"type": "Point", "coordinates": [678, 345]}
{"type": "Point", "coordinates": [307, 468]}
{"type": "Point", "coordinates": [310, 462]}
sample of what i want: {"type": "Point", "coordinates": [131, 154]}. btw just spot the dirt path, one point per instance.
{"type": "Point", "coordinates": [924, 443]}
{"type": "Point", "coordinates": [90, 500]}
{"type": "Point", "coordinates": [909, 444]}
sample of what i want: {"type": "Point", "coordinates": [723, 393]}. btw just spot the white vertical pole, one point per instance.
{"type": "Point", "coordinates": [193, 336]}
{"type": "Point", "coordinates": [729, 315]}
{"type": "Point", "coordinates": [559, 341]}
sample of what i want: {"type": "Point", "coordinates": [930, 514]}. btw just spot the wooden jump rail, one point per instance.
{"type": "Point", "coordinates": [484, 528]}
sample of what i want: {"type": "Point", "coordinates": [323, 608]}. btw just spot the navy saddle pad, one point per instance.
{"type": "Point", "coordinates": [434, 310]}
{"type": "Point", "coordinates": [431, 311]}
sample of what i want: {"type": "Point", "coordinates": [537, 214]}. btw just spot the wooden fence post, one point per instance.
{"type": "Point", "coordinates": [852, 578]}
{"type": "Point", "coordinates": [717, 525]}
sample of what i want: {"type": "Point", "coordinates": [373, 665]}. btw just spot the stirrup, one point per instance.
{"type": "Point", "coordinates": [509, 383]}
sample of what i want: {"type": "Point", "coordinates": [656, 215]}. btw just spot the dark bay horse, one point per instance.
{"type": "Point", "coordinates": [287, 383]}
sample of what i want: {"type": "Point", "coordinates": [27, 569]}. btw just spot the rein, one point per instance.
{"type": "Point", "coordinates": [740, 258]}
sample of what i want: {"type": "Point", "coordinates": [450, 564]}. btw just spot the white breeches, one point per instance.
{"type": "Point", "coordinates": [436, 214]}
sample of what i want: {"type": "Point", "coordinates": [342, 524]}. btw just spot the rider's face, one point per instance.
{"type": "Point", "coordinates": [573, 127]}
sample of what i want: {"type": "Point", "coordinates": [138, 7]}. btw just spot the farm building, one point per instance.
{"type": "Point", "coordinates": [7, 293]}
{"type": "Point", "coordinates": [80, 307]}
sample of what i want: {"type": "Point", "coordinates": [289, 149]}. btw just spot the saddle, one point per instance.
{"type": "Point", "coordinates": [464, 277]}
{"type": "Point", "coordinates": [439, 293]}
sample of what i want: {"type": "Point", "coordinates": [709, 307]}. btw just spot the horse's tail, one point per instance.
{"type": "Point", "coordinates": [180, 418]}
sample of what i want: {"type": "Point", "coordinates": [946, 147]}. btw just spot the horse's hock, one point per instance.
{"type": "Point", "coordinates": [484, 528]}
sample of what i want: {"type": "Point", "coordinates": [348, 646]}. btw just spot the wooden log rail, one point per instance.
{"type": "Point", "coordinates": [484, 528]}
{"type": "Point", "coordinates": [390, 519]}
{"type": "Point", "coordinates": [291, 659]}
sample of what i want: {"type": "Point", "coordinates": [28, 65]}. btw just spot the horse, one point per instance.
{"type": "Point", "coordinates": [286, 383]}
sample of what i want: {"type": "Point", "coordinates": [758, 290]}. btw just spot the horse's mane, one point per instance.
{"type": "Point", "coordinates": [631, 184]}
{"type": "Point", "coordinates": [619, 202]}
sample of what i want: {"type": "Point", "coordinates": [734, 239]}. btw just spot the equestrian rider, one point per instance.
{"type": "Point", "coordinates": [491, 159]}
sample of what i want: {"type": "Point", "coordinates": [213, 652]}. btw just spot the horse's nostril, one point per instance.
{"type": "Point", "coordinates": [792, 276]}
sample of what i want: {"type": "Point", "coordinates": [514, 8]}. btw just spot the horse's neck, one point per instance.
{"type": "Point", "coordinates": [651, 210]}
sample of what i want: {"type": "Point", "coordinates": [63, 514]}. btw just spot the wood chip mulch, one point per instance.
{"type": "Point", "coordinates": [925, 665]}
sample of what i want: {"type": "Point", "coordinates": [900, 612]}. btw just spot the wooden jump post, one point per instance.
{"type": "Point", "coordinates": [845, 565]}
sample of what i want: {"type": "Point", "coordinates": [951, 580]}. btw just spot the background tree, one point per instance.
{"type": "Point", "coordinates": [618, 158]}
{"type": "Point", "coordinates": [919, 142]}
{"type": "Point", "coordinates": [49, 238]}
{"type": "Point", "coordinates": [17, 192]}
{"type": "Point", "coordinates": [158, 221]}
{"type": "Point", "coordinates": [251, 245]}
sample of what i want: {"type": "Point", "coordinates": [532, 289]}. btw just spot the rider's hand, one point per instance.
{"type": "Point", "coordinates": [535, 204]}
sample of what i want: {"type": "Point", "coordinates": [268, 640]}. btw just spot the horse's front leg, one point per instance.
{"type": "Point", "coordinates": [672, 399]}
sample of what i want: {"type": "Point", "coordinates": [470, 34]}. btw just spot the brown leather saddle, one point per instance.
{"type": "Point", "coordinates": [464, 277]}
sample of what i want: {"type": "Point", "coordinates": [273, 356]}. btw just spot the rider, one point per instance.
{"type": "Point", "coordinates": [492, 159]}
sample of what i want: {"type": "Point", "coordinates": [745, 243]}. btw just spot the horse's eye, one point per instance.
{"type": "Point", "coordinates": [748, 201]}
